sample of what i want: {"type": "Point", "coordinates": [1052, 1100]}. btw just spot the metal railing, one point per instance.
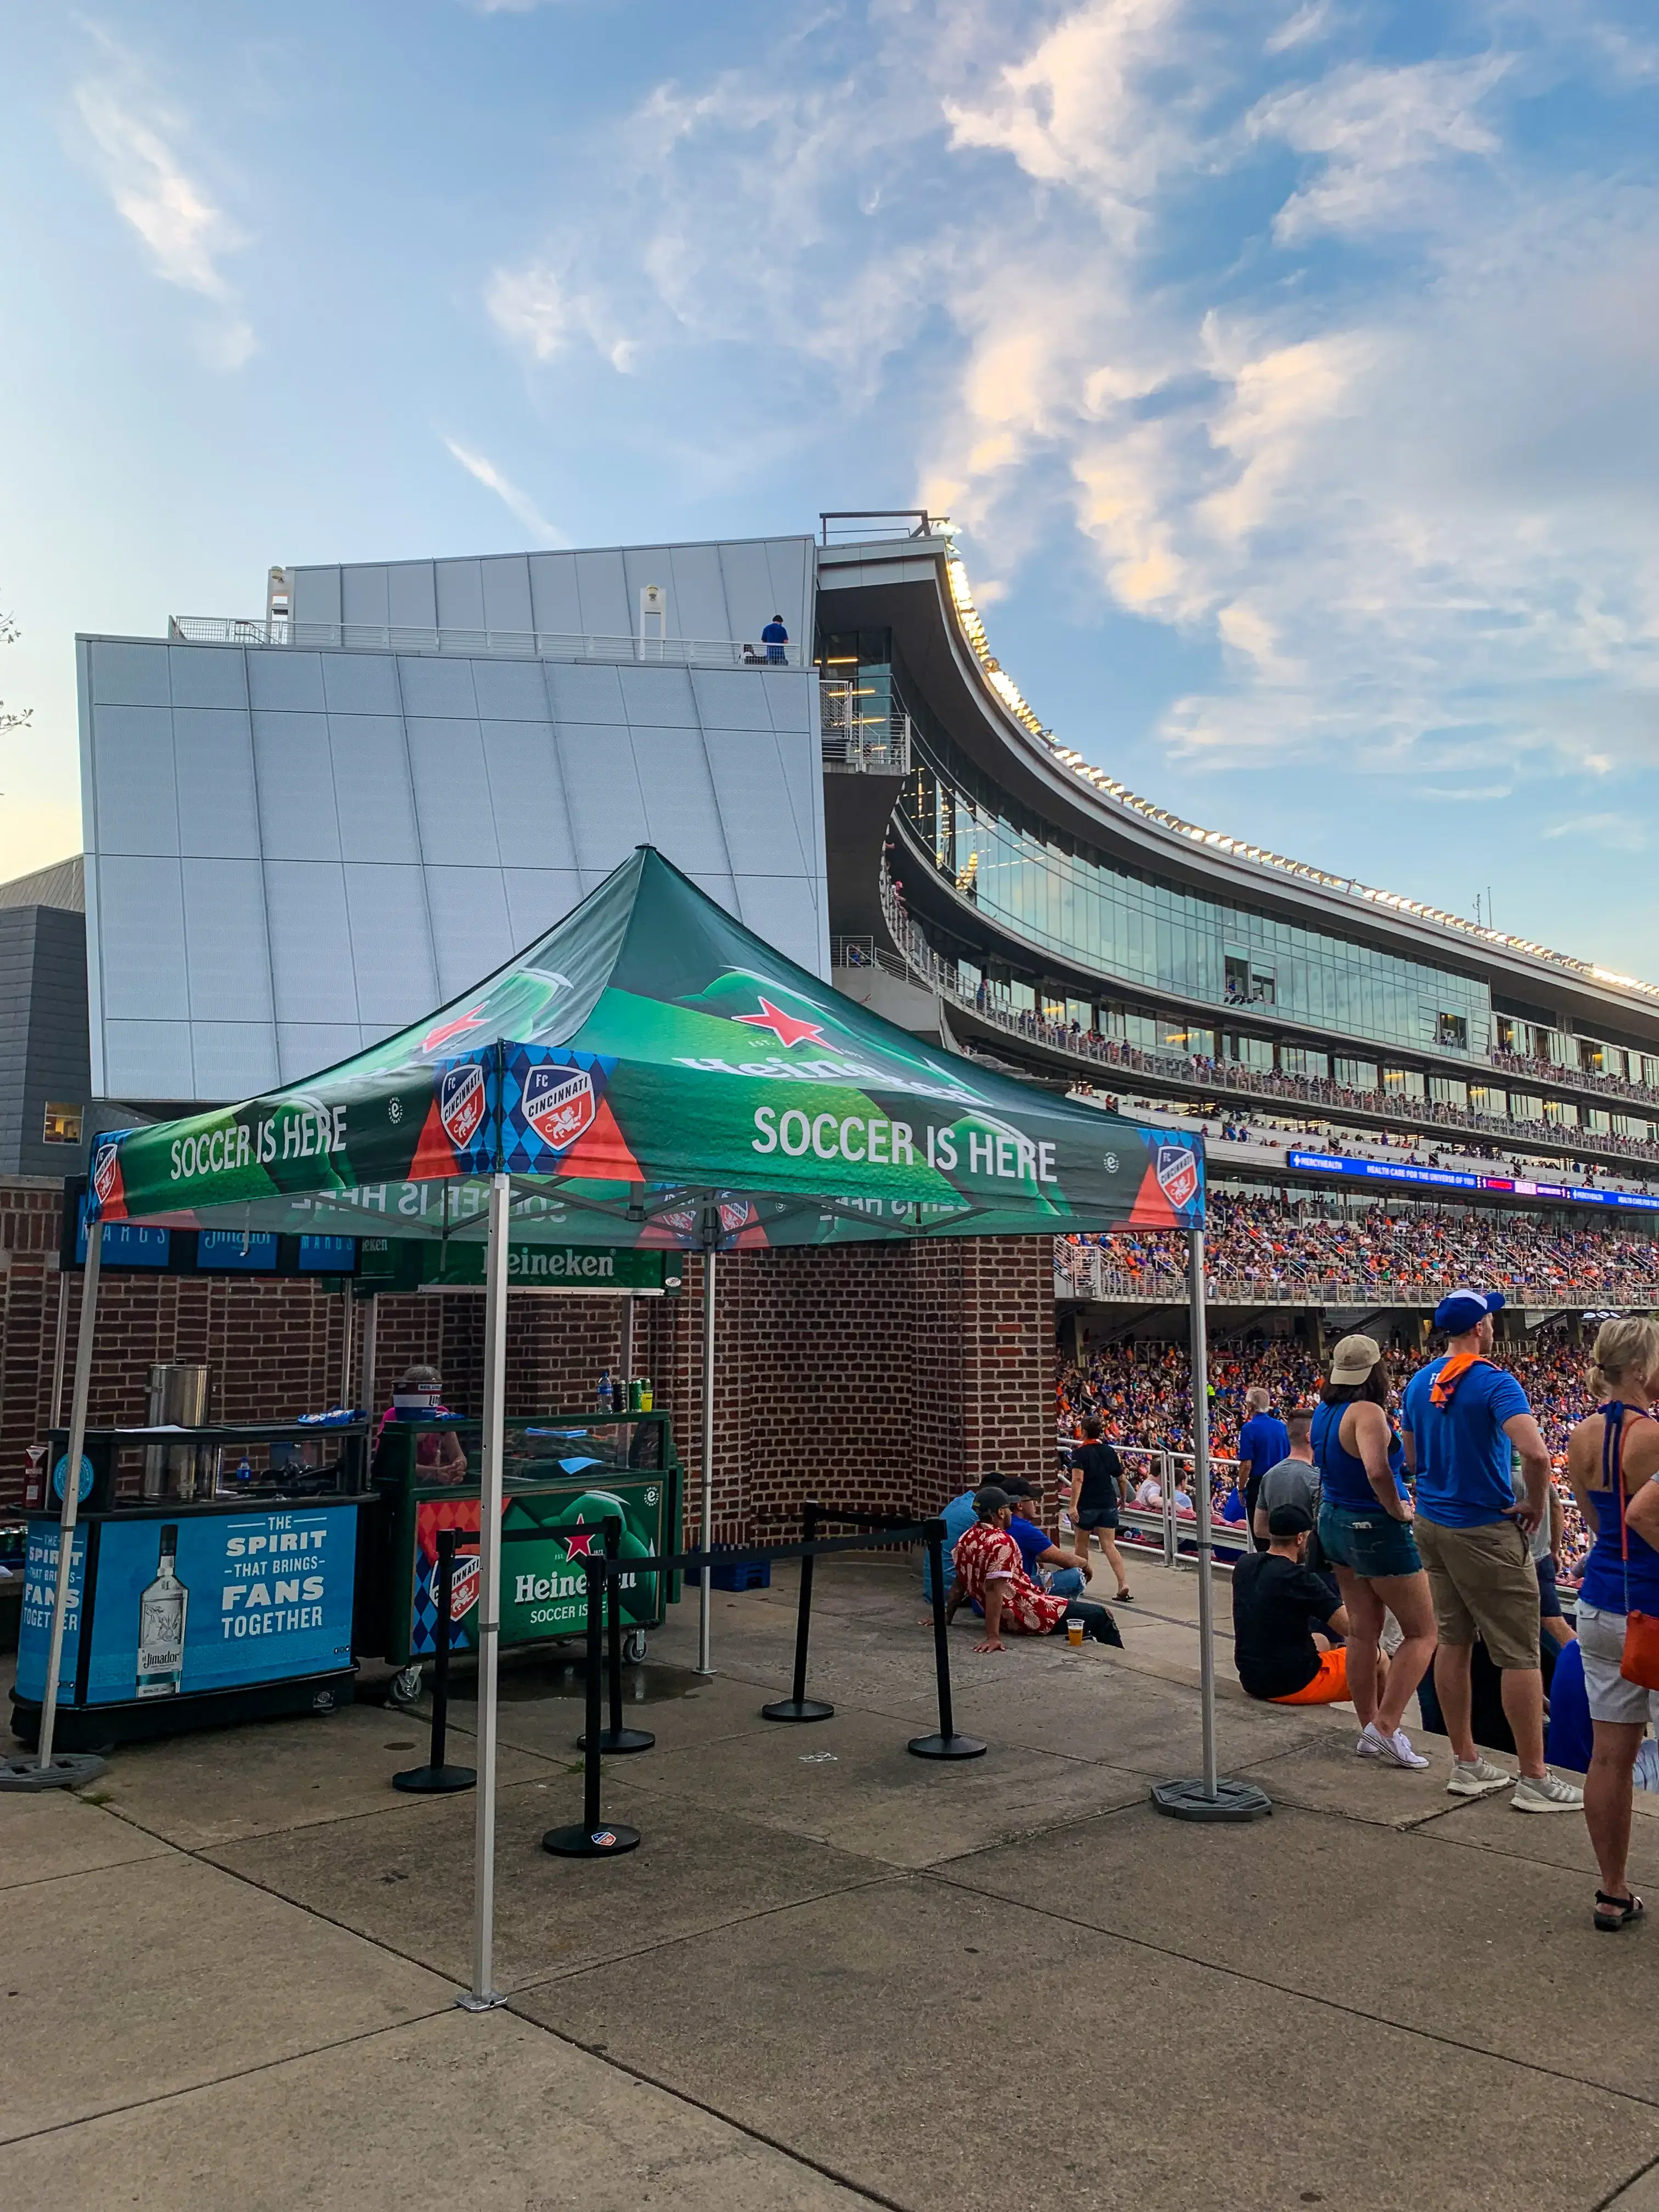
{"type": "Point", "coordinates": [1163, 1529]}
{"type": "Point", "coordinates": [522, 644]}
{"type": "Point", "coordinates": [861, 744]}
{"type": "Point", "coordinates": [1224, 1078]}
{"type": "Point", "coordinates": [1088, 1272]}
{"type": "Point", "coordinates": [861, 526]}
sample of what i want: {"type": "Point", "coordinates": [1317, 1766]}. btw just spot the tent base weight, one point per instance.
{"type": "Point", "coordinates": [591, 1843]}
{"type": "Point", "coordinates": [620, 1740]}
{"type": "Point", "coordinates": [1190, 1801]}
{"type": "Point", "coordinates": [797, 1708]}
{"type": "Point", "coordinates": [435, 1781]}
{"type": "Point", "coordinates": [947, 1747]}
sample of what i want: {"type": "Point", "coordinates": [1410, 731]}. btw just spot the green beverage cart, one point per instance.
{"type": "Point", "coordinates": [564, 1474]}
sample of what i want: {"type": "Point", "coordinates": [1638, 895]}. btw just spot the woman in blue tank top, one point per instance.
{"type": "Point", "coordinates": [1612, 1456]}
{"type": "Point", "coordinates": [1365, 1532]}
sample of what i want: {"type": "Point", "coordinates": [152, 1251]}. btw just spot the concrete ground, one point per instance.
{"type": "Point", "coordinates": [832, 1975]}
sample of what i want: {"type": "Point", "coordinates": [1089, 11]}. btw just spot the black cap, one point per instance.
{"type": "Point", "coordinates": [1290, 1521]}
{"type": "Point", "coordinates": [989, 1500]}
{"type": "Point", "coordinates": [1014, 1487]}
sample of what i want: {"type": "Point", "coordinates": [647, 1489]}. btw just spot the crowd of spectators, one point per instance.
{"type": "Point", "coordinates": [1143, 1394]}
{"type": "Point", "coordinates": [1388, 1249]}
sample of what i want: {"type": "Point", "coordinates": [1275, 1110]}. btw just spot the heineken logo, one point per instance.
{"type": "Point", "coordinates": [1177, 1173]}
{"type": "Point", "coordinates": [788, 1028]}
{"type": "Point", "coordinates": [559, 1105]}
{"type": "Point", "coordinates": [461, 1103]}
{"type": "Point", "coordinates": [106, 1177]}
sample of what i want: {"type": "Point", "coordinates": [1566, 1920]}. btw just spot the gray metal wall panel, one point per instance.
{"type": "Point", "coordinates": [731, 699]}
{"type": "Point", "coordinates": [314, 594]}
{"type": "Point", "coordinates": [147, 1060]}
{"type": "Point", "coordinates": [284, 681]}
{"type": "Point", "coordinates": [452, 793]}
{"type": "Point", "coordinates": [697, 607]}
{"type": "Point", "coordinates": [208, 676]}
{"type": "Point", "coordinates": [391, 945]}
{"type": "Point", "coordinates": [537, 898]}
{"type": "Point", "coordinates": [361, 683]}
{"type": "Point", "coordinates": [311, 969]}
{"type": "Point", "coordinates": [306, 1048]}
{"type": "Point", "coordinates": [130, 674]}
{"type": "Point", "coordinates": [225, 941]}
{"type": "Point", "coordinates": [602, 790]}
{"type": "Point", "coordinates": [460, 594]}
{"type": "Point", "coordinates": [661, 696]}
{"type": "Point", "coordinates": [585, 695]}
{"type": "Point", "coordinates": [750, 598]}
{"type": "Point", "coordinates": [363, 595]}
{"type": "Point", "coordinates": [533, 828]}
{"type": "Point", "coordinates": [782, 909]}
{"type": "Point", "coordinates": [754, 802]}
{"type": "Point", "coordinates": [142, 951]}
{"type": "Point", "coordinates": [789, 695]}
{"type": "Point", "coordinates": [556, 602]}
{"type": "Point", "coordinates": [511, 691]}
{"type": "Point", "coordinates": [295, 779]}
{"type": "Point", "coordinates": [232, 1059]}
{"type": "Point", "coordinates": [218, 806]}
{"type": "Point", "coordinates": [680, 811]}
{"type": "Point", "coordinates": [137, 794]}
{"type": "Point", "coordinates": [602, 585]}
{"type": "Point", "coordinates": [790, 567]}
{"type": "Point", "coordinates": [412, 595]}
{"type": "Point", "coordinates": [469, 926]}
{"type": "Point", "coordinates": [435, 683]}
{"type": "Point", "coordinates": [372, 793]}
{"type": "Point", "coordinates": [507, 593]}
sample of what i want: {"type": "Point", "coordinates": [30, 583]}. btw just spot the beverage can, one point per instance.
{"type": "Point", "coordinates": [648, 1396]}
{"type": "Point", "coordinates": [636, 1395]}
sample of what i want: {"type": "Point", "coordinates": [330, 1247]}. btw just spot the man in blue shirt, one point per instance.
{"type": "Point", "coordinates": [774, 637]}
{"type": "Point", "coordinates": [1462, 1414]}
{"type": "Point", "coordinates": [1067, 1577]}
{"type": "Point", "coordinates": [1263, 1441]}
{"type": "Point", "coordinates": [958, 1517]}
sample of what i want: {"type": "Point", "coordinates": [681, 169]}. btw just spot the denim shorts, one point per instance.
{"type": "Point", "coordinates": [1367, 1543]}
{"type": "Point", "coordinates": [1097, 1516]}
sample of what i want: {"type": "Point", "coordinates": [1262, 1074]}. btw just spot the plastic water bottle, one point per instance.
{"type": "Point", "coordinates": [604, 1391]}
{"type": "Point", "coordinates": [244, 1474]}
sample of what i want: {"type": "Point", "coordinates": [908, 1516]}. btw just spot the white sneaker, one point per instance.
{"type": "Point", "coordinates": [1475, 1778]}
{"type": "Point", "coordinates": [1545, 1793]}
{"type": "Point", "coordinates": [1394, 1750]}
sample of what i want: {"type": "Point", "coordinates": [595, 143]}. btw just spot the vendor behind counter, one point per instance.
{"type": "Point", "coordinates": [418, 1396]}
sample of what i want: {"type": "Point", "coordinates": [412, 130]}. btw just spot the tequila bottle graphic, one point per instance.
{"type": "Point", "coordinates": [161, 1624]}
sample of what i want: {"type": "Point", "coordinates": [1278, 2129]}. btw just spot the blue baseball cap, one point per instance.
{"type": "Point", "coordinates": [1459, 1311]}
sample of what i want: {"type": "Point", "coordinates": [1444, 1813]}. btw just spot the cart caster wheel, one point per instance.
{"type": "Point", "coordinates": [633, 1649]}
{"type": "Point", "coordinates": [406, 1687]}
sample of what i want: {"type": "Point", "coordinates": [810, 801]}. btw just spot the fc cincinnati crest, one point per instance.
{"type": "Point", "coordinates": [105, 1175]}
{"type": "Point", "coordinates": [1177, 1173]}
{"type": "Point", "coordinates": [559, 1103]}
{"type": "Point", "coordinates": [463, 1590]}
{"type": "Point", "coordinates": [461, 1103]}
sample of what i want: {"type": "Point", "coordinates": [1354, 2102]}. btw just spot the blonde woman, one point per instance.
{"type": "Point", "coordinates": [1612, 1456]}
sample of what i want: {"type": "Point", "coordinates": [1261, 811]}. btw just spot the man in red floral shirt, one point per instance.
{"type": "Point", "coordinates": [990, 1572]}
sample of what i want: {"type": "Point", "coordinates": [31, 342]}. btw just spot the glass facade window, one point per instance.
{"type": "Point", "coordinates": [1561, 1111]}
{"type": "Point", "coordinates": [1524, 1105]}
{"type": "Point", "coordinates": [1403, 1082]}
{"type": "Point", "coordinates": [1249, 1051]}
{"type": "Point", "coordinates": [1353, 1075]}
{"type": "Point", "coordinates": [1057, 892]}
{"type": "Point", "coordinates": [1448, 1091]}
{"type": "Point", "coordinates": [1180, 1036]}
{"type": "Point", "coordinates": [1595, 1117]}
{"type": "Point", "coordinates": [1298, 1059]}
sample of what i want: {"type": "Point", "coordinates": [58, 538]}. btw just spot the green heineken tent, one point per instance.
{"type": "Point", "coordinates": [647, 1073]}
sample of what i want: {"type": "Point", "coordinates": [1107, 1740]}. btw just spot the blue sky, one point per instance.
{"type": "Point", "coordinates": [1288, 368]}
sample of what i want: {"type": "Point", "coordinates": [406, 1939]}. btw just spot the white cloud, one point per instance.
{"type": "Point", "coordinates": [535, 306]}
{"type": "Point", "coordinates": [1618, 833]}
{"type": "Point", "coordinates": [518, 503]}
{"type": "Point", "coordinates": [132, 138]}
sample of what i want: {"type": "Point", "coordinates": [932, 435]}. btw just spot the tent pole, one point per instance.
{"type": "Point", "coordinates": [1198, 1350]}
{"type": "Point", "coordinates": [78, 1441]}
{"type": "Point", "coordinates": [57, 1348]}
{"type": "Point", "coordinates": [371, 1326]}
{"type": "Point", "coordinates": [706, 1531]}
{"type": "Point", "coordinates": [483, 1995]}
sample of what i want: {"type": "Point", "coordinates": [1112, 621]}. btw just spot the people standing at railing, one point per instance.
{"type": "Point", "coordinates": [774, 637]}
{"type": "Point", "coordinates": [1263, 1442]}
{"type": "Point", "coordinates": [1365, 1535]}
{"type": "Point", "coordinates": [1463, 1415]}
{"type": "Point", "coordinates": [1097, 1492]}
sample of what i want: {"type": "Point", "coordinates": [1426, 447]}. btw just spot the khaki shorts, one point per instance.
{"type": "Point", "coordinates": [1483, 1583]}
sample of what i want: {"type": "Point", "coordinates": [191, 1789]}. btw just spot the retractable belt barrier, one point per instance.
{"type": "Point", "coordinates": [595, 1838]}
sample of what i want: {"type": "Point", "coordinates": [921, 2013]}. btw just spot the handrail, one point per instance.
{"type": "Point", "coordinates": [921, 960]}
{"type": "Point", "coordinates": [1082, 1271]}
{"type": "Point", "coordinates": [523, 644]}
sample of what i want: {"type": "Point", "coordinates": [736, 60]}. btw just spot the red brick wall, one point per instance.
{"type": "Point", "coordinates": [876, 1376]}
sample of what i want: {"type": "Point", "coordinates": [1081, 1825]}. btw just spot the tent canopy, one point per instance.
{"type": "Point", "coordinates": [650, 1073]}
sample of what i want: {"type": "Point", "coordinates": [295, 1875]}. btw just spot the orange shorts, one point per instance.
{"type": "Point", "coordinates": [1329, 1686]}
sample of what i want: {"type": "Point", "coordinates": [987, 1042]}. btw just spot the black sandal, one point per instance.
{"type": "Point", "coordinates": [1613, 1913]}
{"type": "Point", "coordinates": [1124, 1597]}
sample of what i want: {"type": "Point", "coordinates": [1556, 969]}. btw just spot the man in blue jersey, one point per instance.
{"type": "Point", "coordinates": [774, 637]}
{"type": "Point", "coordinates": [1263, 1442]}
{"type": "Point", "coordinates": [1462, 1414]}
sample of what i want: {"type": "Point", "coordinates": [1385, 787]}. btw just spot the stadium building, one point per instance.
{"type": "Point", "coordinates": [306, 826]}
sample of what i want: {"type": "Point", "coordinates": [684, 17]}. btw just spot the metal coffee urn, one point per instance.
{"type": "Point", "coordinates": [178, 1396]}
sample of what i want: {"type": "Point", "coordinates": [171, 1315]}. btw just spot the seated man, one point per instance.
{"type": "Point", "coordinates": [958, 1518]}
{"type": "Point", "coordinates": [1068, 1572]}
{"type": "Point", "coordinates": [1149, 1494]}
{"type": "Point", "coordinates": [1286, 1620]}
{"type": "Point", "coordinates": [991, 1575]}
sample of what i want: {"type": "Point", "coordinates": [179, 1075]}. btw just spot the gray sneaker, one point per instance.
{"type": "Point", "coordinates": [1473, 1777]}
{"type": "Point", "coordinates": [1547, 1793]}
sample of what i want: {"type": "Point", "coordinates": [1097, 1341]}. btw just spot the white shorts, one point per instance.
{"type": "Point", "coordinates": [1602, 1640]}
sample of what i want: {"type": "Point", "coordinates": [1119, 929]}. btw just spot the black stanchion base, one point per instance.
{"type": "Point", "coordinates": [619, 1739]}
{"type": "Point", "coordinates": [1190, 1801]}
{"type": "Point", "coordinates": [435, 1781]}
{"type": "Point", "coordinates": [579, 1843]}
{"type": "Point", "coordinates": [797, 1708]}
{"type": "Point", "coordinates": [947, 1747]}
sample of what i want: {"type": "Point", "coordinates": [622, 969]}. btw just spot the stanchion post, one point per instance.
{"type": "Point", "coordinates": [436, 1777]}
{"type": "Point", "coordinates": [592, 1839]}
{"type": "Point", "coordinates": [616, 1737]}
{"type": "Point", "coordinates": [947, 1744]}
{"type": "Point", "coordinates": [797, 1706]}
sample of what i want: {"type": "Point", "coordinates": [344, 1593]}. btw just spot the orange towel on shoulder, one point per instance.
{"type": "Point", "coordinates": [1446, 1382]}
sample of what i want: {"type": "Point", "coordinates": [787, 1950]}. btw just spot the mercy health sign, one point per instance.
{"type": "Point", "coordinates": [1330, 1163]}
